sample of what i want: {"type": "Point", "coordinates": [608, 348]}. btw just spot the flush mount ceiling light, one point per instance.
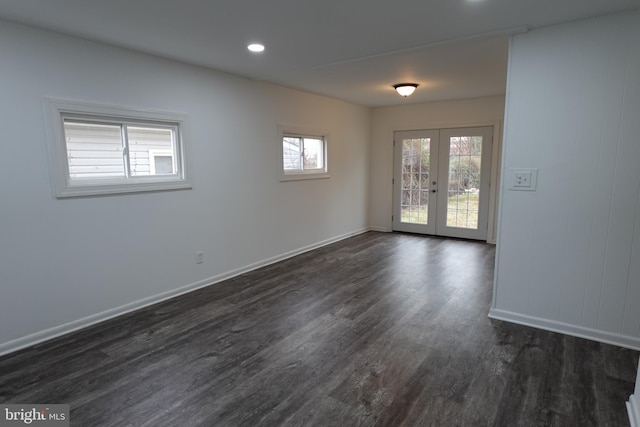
{"type": "Point", "coordinates": [256, 47]}
{"type": "Point", "coordinates": [405, 89]}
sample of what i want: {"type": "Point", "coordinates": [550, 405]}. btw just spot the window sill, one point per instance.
{"type": "Point", "coordinates": [85, 190]}
{"type": "Point", "coordinates": [304, 176]}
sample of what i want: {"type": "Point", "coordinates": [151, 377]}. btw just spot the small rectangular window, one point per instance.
{"type": "Point", "coordinates": [304, 156]}
{"type": "Point", "coordinates": [105, 150]}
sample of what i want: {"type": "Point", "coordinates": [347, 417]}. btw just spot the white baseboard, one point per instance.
{"type": "Point", "coordinates": [633, 408]}
{"type": "Point", "coordinates": [56, 331]}
{"type": "Point", "coordinates": [568, 329]}
{"type": "Point", "coordinates": [381, 229]}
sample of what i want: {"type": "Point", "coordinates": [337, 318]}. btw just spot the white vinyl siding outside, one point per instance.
{"type": "Point", "coordinates": [96, 150]}
{"type": "Point", "coordinates": [93, 150]}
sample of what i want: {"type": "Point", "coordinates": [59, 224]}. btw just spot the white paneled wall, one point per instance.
{"type": "Point", "coordinates": [569, 253]}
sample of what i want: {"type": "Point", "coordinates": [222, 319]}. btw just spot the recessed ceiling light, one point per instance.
{"type": "Point", "coordinates": [256, 47]}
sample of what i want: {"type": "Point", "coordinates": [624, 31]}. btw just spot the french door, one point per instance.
{"type": "Point", "coordinates": [441, 181]}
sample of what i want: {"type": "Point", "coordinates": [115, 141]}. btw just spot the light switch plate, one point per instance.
{"type": "Point", "coordinates": [522, 179]}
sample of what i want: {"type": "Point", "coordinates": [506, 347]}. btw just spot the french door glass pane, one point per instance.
{"type": "Point", "coordinates": [465, 153]}
{"type": "Point", "coordinates": [415, 180]}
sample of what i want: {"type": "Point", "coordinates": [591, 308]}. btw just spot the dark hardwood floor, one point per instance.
{"type": "Point", "coordinates": [380, 329]}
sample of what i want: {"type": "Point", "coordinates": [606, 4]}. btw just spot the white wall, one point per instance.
{"type": "Point", "coordinates": [569, 254]}
{"type": "Point", "coordinates": [433, 115]}
{"type": "Point", "coordinates": [65, 263]}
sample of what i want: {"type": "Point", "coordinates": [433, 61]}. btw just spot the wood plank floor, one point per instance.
{"type": "Point", "coordinates": [380, 329]}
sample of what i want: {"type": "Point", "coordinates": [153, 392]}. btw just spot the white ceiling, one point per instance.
{"type": "Point", "coordinates": [348, 49]}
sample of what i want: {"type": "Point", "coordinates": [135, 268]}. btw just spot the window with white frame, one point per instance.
{"type": "Point", "coordinates": [101, 149]}
{"type": "Point", "coordinates": [304, 155]}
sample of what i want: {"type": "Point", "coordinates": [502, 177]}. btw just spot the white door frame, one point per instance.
{"type": "Point", "coordinates": [439, 170]}
{"type": "Point", "coordinates": [430, 226]}
{"type": "Point", "coordinates": [485, 182]}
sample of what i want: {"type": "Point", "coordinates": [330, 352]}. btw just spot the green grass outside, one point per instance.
{"type": "Point", "coordinates": [462, 212]}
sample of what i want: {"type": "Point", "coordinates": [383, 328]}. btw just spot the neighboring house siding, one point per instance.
{"type": "Point", "coordinates": [96, 151]}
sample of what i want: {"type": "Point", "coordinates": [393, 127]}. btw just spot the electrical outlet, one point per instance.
{"type": "Point", "coordinates": [522, 179]}
{"type": "Point", "coordinates": [199, 257]}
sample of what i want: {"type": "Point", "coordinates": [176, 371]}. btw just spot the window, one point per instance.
{"type": "Point", "coordinates": [161, 162]}
{"type": "Point", "coordinates": [105, 150]}
{"type": "Point", "coordinates": [304, 156]}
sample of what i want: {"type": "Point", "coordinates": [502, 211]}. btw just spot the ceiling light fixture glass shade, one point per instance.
{"type": "Point", "coordinates": [405, 89]}
{"type": "Point", "coordinates": [256, 47]}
